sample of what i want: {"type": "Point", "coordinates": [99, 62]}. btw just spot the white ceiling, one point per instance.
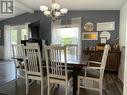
{"type": "Point", "coordinates": [79, 4]}
{"type": "Point", "coordinates": [31, 5]}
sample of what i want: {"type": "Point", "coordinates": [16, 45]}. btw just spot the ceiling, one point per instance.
{"type": "Point", "coordinates": [24, 6]}
{"type": "Point", "coordinates": [79, 4]}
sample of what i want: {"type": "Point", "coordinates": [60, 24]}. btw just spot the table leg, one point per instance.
{"type": "Point", "coordinates": [75, 78]}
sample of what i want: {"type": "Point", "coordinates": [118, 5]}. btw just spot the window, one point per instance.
{"type": "Point", "coordinates": [24, 34]}
{"type": "Point", "coordinates": [68, 34]}
{"type": "Point", "coordinates": [65, 36]}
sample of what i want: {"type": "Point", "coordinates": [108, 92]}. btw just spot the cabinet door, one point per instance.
{"type": "Point", "coordinates": [112, 62]}
{"type": "Point", "coordinates": [96, 56]}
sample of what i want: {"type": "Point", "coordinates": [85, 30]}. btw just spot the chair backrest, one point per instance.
{"type": "Point", "coordinates": [55, 45]}
{"type": "Point", "coordinates": [35, 44]}
{"type": "Point", "coordinates": [31, 44]}
{"type": "Point", "coordinates": [105, 56]}
{"type": "Point", "coordinates": [72, 52]}
{"type": "Point", "coordinates": [32, 59]}
{"type": "Point", "coordinates": [56, 61]}
{"type": "Point", "coordinates": [17, 51]}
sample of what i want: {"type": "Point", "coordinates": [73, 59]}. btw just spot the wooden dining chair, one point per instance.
{"type": "Point", "coordinates": [33, 66]}
{"type": "Point", "coordinates": [18, 59]}
{"type": "Point", "coordinates": [41, 49]}
{"type": "Point", "coordinates": [56, 63]}
{"type": "Point", "coordinates": [92, 77]}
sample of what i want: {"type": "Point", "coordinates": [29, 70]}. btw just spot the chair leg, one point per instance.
{"type": "Point", "coordinates": [42, 87]}
{"type": "Point", "coordinates": [15, 70]}
{"type": "Point", "coordinates": [48, 88]}
{"type": "Point", "coordinates": [27, 86]}
{"type": "Point", "coordinates": [78, 90]}
{"type": "Point", "coordinates": [66, 88]}
{"type": "Point", "coordinates": [100, 90]}
{"type": "Point", "coordinates": [15, 73]}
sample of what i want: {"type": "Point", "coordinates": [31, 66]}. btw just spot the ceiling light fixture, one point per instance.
{"type": "Point", "coordinates": [54, 12]}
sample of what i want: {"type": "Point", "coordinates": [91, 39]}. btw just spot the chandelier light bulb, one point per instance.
{"type": "Point", "coordinates": [63, 10]}
{"type": "Point", "coordinates": [57, 14]}
{"type": "Point", "coordinates": [43, 8]}
{"type": "Point", "coordinates": [47, 13]}
{"type": "Point", "coordinates": [54, 12]}
{"type": "Point", "coordinates": [55, 6]}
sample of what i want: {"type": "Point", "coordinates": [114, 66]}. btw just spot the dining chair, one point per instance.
{"type": "Point", "coordinates": [41, 49]}
{"type": "Point", "coordinates": [18, 59]}
{"type": "Point", "coordinates": [33, 65]}
{"type": "Point", "coordinates": [91, 77]}
{"type": "Point", "coordinates": [56, 63]}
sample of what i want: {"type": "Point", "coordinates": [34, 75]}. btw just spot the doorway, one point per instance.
{"type": "Point", "coordinates": [14, 34]}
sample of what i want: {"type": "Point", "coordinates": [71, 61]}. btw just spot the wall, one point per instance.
{"type": "Point", "coordinates": [95, 17]}
{"type": "Point", "coordinates": [28, 18]}
{"type": "Point", "coordinates": [87, 16]}
{"type": "Point", "coordinates": [25, 18]}
{"type": "Point", "coordinates": [123, 42]}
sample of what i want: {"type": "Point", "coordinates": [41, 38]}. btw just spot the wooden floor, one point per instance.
{"type": "Point", "coordinates": [7, 71]}
{"type": "Point", "coordinates": [112, 85]}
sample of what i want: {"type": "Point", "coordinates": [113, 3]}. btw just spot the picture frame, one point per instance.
{"type": "Point", "coordinates": [106, 26]}
{"type": "Point", "coordinates": [103, 40]}
{"type": "Point", "coordinates": [90, 36]}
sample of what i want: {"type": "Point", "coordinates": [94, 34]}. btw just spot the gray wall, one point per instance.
{"type": "Point", "coordinates": [44, 28]}
{"type": "Point", "coordinates": [87, 16]}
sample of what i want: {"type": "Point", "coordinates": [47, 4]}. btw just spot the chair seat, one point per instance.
{"type": "Point", "coordinates": [69, 76]}
{"type": "Point", "coordinates": [18, 59]}
{"type": "Point", "coordinates": [90, 73]}
{"type": "Point", "coordinates": [44, 72]}
{"type": "Point", "coordinates": [21, 66]}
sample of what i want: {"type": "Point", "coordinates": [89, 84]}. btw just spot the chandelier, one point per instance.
{"type": "Point", "coordinates": [54, 12]}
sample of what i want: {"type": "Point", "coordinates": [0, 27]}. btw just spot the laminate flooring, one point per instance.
{"type": "Point", "coordinates": [10, 86]}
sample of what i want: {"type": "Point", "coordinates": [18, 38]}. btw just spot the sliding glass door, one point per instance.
{"type": "Point", "coordinates": [13, 34]}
